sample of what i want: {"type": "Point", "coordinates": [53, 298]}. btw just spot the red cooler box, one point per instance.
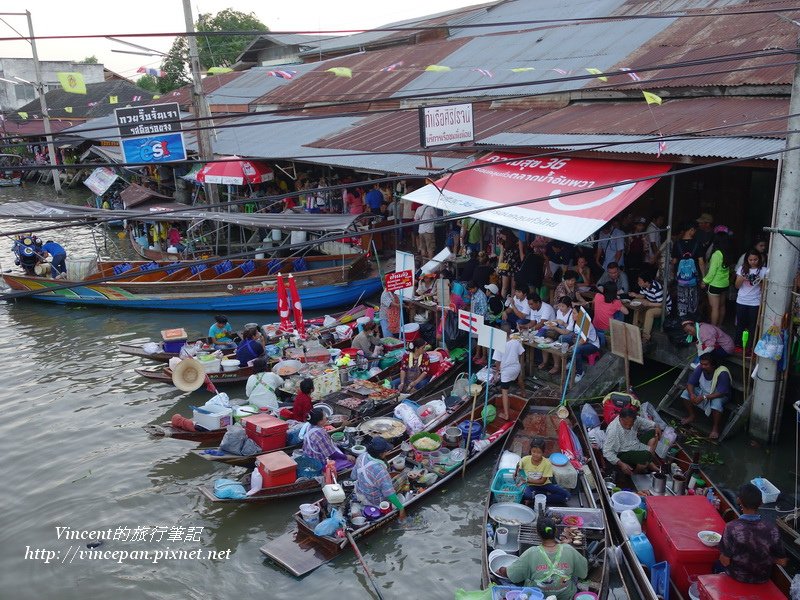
{"type": "Point", "coordinates": [277, 468]}
{"type": "Point", "coordinates": [267, 431]}
{"type": "Point", "coordinates": [722, 587]}
{"type": "Point", "coordinates": [671, 526]}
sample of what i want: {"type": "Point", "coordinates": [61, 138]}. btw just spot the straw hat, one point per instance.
{"type": "Point", "coordinates": [188, 375]}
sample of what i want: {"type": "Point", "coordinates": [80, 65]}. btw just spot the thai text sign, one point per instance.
{"type": "Point", "coordinates": [441, 125]}
{"type": "Point", "coordinates": [149, 120]}
{"type": "Point", "coordinates": [399, 281]}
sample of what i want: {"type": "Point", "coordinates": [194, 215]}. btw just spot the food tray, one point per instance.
{"type": "Point", "coordinates": [592, 517]}
{"type": "Point", "coordinates": [529, 536]}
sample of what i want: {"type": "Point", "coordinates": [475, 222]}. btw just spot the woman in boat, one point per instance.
{"type": "Point", "coordinates": [221, 333]}
{"type": "Point", "coordinates": [250, 348]}
{"type": "Point", "coordinates": [261, 386]}
{"type": "Point", "coordinates": [373, 482]}
{"type": "Point", "coordinates": [367, 340]}
{"type": "Point", "coordinates": [414, 370]}
{"type": "Point", "coordinates": [538, 471]}
{"type": "Point", "coordinates": [174, 238]}
{"type": "Point", "coordinates": [552, 567]}
{"type": "Point", "coordinates": [390, 314]}
{"type": "Point", "coordinates": [318, 445]}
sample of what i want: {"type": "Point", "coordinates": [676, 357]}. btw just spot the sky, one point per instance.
{"type": "Point", "coordinates": [104, 17]}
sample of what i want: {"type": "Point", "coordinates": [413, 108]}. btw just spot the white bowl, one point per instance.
{"type": "Point", "coordinates": [358, 521]}
{"type": "Point", "coordinates": [636, 302]}
{"type": "Point", "coordinates": [709, 538]}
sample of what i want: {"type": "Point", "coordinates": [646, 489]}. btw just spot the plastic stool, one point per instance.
{"type": "Point", "coordinates": [593, 358]}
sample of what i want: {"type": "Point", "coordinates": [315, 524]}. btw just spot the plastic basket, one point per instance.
{"type": "Point", "coordinates": [500, 592]}
{"type": "Point", "coordinates": [769, 493]}
{"type": "Point", "coordinates": [505, 489]}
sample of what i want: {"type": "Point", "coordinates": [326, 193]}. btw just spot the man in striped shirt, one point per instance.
{"type": "Point", "coordinates": [652, 295]}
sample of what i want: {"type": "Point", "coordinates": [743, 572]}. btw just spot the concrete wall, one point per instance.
{"type": "Point", "coordinates": [14, 96]}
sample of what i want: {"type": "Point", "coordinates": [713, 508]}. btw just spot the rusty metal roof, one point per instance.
{"type": "Point", "coordinates": [727, 116]}
{"type": "Point", "coordinates": [396, 132]}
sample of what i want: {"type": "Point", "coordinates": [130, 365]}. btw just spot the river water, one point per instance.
{"type": "Point", "coordinates": [74, 456]}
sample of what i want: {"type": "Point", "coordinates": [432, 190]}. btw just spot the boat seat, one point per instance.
{"type": "Point", "coordinates": [120, 269]}
{"type": "Point", "coordinates": [171, 270]}
{"type": "Point", "coordinates": [149, 266]}
{"type": "Point", "coordinates": [247, 267]}
{"type": "Point", "coordinates": [223, 267]}
{"type": "Point", "coordinates": [300, 264]}
{"type": "Point", "coordinates": [195, 269]}
{"type": "Point", "coordinates": [274, 266]}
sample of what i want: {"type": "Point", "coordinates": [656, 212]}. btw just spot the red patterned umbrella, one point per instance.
{"type": "Point", "coordinates": [235, 171]}
{"type": "Point", "coordinates": [283, 306]}
{"type": "Point", "coordinates": [297, 306]}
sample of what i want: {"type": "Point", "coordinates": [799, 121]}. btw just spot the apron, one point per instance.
{"type": "Point", "coordinates": [553, 576]}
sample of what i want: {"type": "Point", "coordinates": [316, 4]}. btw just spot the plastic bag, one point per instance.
{"type": "Point", "coordinates": [220, 399]}
{"type": "Point", "coordinates": [771, 344]}
{"type": "Point", "coordinates": [233, 439]}
{"type": "Point", "coordinates": [228, 488]}
{"type": "Point", "coordinates": [509, 460]}
{"type": "Point", "coordinates": [481, 375]}
{"type": "Point", "coordinates": [597, 437]}
{"type": "Point", "coordinates": [256, 482]}
{"type": "Point", "coordinates": [151, 348]}
{"type": "Point", "coordinates": [408, 416]}
{"type": "Point", "coordinates": [649, 411]}
{"type": "Point", "coordinates": [794, 590]}
{"type": "Point", "coordinates": [330, 525]}
{"type": "Point", "coordinates": [328, 321]}
{"type": "Point", "coordinates": [589, 417]}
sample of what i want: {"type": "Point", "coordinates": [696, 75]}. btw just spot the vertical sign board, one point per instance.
{"type": "Point", "coordinates": [156, 131]}
{"type": "Point", "coordinates": [492, 337]}
{"type": "Point", "coordinates": [468, 321]}
{"type": "Point", "coordinates": [442, 125]}
{"type": "Point", "coordinates": [404, 261]}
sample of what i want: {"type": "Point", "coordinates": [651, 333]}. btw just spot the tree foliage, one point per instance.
{"type": "Point", "coordinates": [149, 84]}
{"type": "Point", "coordinates": [213, 51]}
{"type": "Point", "coordinates": [90, 60]}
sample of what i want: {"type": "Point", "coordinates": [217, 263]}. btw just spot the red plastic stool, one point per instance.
{"type": "Point", "coordinates": [593, 358]}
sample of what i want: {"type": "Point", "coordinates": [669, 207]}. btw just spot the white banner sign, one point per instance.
{"type": "Point", "coordinates": [442, 125]}
{"type": "Point", "coordinates": [492, 337]}
{"type": "Point", "coordinates": [100, 180]}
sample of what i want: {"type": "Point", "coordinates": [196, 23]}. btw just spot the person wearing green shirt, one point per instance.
{"type": "Point", "coordinates": [718, 278]}
{"type": "Point", "coordinates": [471, 234]}
{"type": "Point", "coordinates": [551, 567]}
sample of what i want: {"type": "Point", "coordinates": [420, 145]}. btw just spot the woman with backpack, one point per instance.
{"type": "Point", "coordinates": [688, 260]}
{"type": "Point", "coordinates": [718, 279]}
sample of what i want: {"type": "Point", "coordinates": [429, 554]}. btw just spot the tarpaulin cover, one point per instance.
{"type": "Point", "coordinates": [136, 194]}
{"type": "Point", "coordinates": [500, 179]}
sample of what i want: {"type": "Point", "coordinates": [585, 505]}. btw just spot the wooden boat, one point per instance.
{"type": "Point", "coordinates": [377, 409]}
{"type": "Point", "coordinates": [10, 173]}
{"type": "Point", "coordinates": [301, 552]}
{"type": "Point", "coordinates": [310, 486]}
{"type": "Point", "coordinates": [312, 325]}
{"type": "Point", "coordinates": [540, 419]}
{"type": "Point", "coordinates": [164, 375]}
{"type": "Point", "coordinates": [223, 285]}
{"type": "Point", "coordinates": [639, 575]}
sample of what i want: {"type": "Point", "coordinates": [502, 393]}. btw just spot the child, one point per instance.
{"type": "Point", "coordinates": [538, 470]}
{"type": "Point", "coordinates": [565, 322]}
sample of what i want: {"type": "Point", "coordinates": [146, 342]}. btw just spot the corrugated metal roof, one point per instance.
{"type": "Point", "coordinates": [252, 84]}
{"type": "Point", "coordinates": [706, 147]}
{"type": "Point", "coordinates": [94, 103]}
{"type": "Point", "coordinates": [704, 37]}
{"type": "Point", "coordinates": [569, 48]}
{"type": "Point", "coordinates": [400, 131]}
{"type": "Point", "coordinates": [368, 81]}
{"type": "Point", "coordinates": [183, 95]}
{"type": "Point", "coordinates": [672, 117]}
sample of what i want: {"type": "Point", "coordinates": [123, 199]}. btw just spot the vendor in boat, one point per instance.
{"type": "Point", "coordinates": [538, 472]}
{"type": "Point", "coordinates": [317, 443]}
{"type": "Point", "coordinates": [301, 407]}
{"type": "Point", "coordinates": [221, 333]}
{"type": "Point", "coordinates": [261, 386]}
{"type": "Point", "coordinates": [373, 482]}
{"type": "Point", "coordinates": [249, 348]}
{"type": "Point", "coordinates": [708, 388]}
{"type": "Point", "coordinates": [367, 340]}
{"type": "Point", "coordinates": [58, 260]}
{"type": "Point", "coordinates": [414, 371]}
{"type": "Point", "coordinates": [552, 567]}
{"type": "Point", "coordinates": [174, 238]}
{"type": "Point", "coordinates": [750, 546]}
{"type": "Point", "coordinates": [630, 442]}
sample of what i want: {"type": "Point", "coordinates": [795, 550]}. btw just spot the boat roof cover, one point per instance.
{"type": "Point", "coordinates": [174, 211]}
{"type": "Point", "coordinates": [136, 194]}
{"type": "Point", "coordinates": [542, 195]}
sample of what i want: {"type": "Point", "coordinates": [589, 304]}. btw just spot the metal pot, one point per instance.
{"type": "Point", "coordinates": [679, 485]}
{"type": "Point", "coordinates": [659, 483]}
{"type": "Point", "coordinates": [452, 435]}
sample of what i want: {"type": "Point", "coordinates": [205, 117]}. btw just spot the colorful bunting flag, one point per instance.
{"type": "Point", "coordinates": [136, 99]}
{"type": "Point", "coordinates": [283, 74]}
{"type": "Point", "coordinates": [484, 72]}
{"type": "Point", "coordinates": [561, 71]}
{"type": "Point", "coordinates": [23, 114]}
{"type": "Point", "coordinates": [219, 70]}
{"type": "Point", "coordinates": [597, 72]}
{"type": "Point", "coordinates": [522, 69]}
{"type": "Point", "coordinates": [151, 71]}
{"type": "Point", "coordinates": [68, 109]}
{"type": "Point", "coordinates": [340, 71]}
{"type": "Point", "coordinates": [437, 68]}
{"type": "Point", "coordinates": [156, 97]}
{"type": "Point", "coordinates": [392, 67]}
{"type": "Point", "coordinates": [662, 147]}
{"type": "Point", "coordinates": [72, 82]}
{"type": "Point", "coordinates": [113, 99]}
{"type": "Point", "coordinates": [631, 74]}
{"type": "Point", "coordinates": [92, 104]}
{"type": "Point", "coordinates": [176, 93]}
{"type": "Point", "coordinates": [651, 98]}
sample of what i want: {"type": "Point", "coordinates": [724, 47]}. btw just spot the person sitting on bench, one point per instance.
{"type": "Point", "coordinates": [630, 442]}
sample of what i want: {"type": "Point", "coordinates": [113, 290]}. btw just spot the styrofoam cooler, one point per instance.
{"type": "Point", "coordinates": [219, 419]}
{"type": "Point", "coordinates": [410, 331]}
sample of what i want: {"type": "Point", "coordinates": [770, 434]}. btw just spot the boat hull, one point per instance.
{"type": "Point", "coordinates": [312, 298]}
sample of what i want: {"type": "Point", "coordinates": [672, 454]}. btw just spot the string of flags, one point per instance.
{"type": "Point", "coordinates": [152, 71]}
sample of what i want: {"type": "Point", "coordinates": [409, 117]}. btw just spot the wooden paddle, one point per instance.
{"type": "Point", "coordinates": [363, 564]}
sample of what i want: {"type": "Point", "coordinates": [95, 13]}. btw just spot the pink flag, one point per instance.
{"type": "Point", "coordinates": [630, 73]}
{"type": "Point", "coordinates": [392, 67]}
{"type": "Point", "coordinates": [296, 307]}
{"type": "Point", "coordinates": [561, 71]}
{"type": "Point", "coordinates": [286, 74]}
{"type": "Point", "coordinates": [136, 98]}
{"type": "Point", "coordinates": [283, 305]}
{"type": "Point", "coordinates": [662, 147]}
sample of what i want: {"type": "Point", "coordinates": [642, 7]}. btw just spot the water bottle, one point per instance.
{"type": "Point", "coordinates": [489, 532]}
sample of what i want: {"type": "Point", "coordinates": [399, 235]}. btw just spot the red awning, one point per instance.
{"type": "Point", "coordinates": [572, 218]}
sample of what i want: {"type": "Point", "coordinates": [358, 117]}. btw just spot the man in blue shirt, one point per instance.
{"type": "Point", "coordinates": [374, 199]}
{"type": "Point", "coordinates": [58, 263]}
